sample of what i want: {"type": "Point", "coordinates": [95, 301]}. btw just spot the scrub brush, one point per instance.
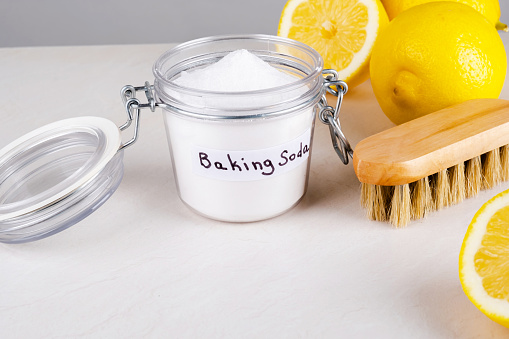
{"type": "Point", "coordinates": [434, 161]}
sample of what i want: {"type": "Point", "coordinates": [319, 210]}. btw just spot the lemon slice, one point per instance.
{"type": "Point", "coordinates": [342, 31]}
{"type": "Point", "coordinates": [484, 259]}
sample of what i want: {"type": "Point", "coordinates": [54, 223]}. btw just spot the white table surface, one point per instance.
{"type": "Point", "coordinates": [144, 265]}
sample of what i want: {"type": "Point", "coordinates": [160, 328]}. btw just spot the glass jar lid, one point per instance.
{"type": "Point", "coordinates": [55, 176]}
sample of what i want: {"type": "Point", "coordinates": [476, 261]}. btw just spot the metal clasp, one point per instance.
{"type": "Point", "coordinates": [330, 115]}
{"type": "Point", "coordinates": [133, 106]}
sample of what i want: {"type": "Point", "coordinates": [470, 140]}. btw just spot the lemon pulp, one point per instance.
{"type": "Point", "coordinates": [343, 32]}
{"type": "Point", "coordinates": [492, 259]}
{"type": "Point", "coordinates": [484, 259]}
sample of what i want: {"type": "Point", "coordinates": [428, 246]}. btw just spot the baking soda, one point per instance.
{"type": "Point", "coordinates": [240, 169]}
{"type": "Point", "coordinates": [239, 71]}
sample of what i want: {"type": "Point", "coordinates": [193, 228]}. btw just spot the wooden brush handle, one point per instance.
{"type": "Point", "coordinates": [431, 143]}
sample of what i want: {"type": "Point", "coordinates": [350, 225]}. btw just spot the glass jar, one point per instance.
{"type": "Point", "coordinates": [240, 156]}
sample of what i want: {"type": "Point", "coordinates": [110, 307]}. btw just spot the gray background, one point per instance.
{"type": "Point", "coordinates": [92, 22]}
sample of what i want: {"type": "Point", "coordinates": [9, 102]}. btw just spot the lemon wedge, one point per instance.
{"type": "Point", "coordinates": [342, 31]}
{"type": "Point", "coordinates": [484, 259]}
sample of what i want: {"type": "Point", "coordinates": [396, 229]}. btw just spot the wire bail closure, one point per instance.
{"type": "Point", "coordinates": [133, 106]}
{"type": "Point", "coordinates": [330, 115]}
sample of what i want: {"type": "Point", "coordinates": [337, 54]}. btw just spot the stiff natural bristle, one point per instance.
{"type": "Point", "coordinates": [400, 211]}
{"type": "Point", "coordinates": [491, 169]}
{"type": "Point", "coordinates": [473, 176]}
{"type": "Point", "coordinates": [374, 198]}
{"type": "Point", "coordinates": [458, 185]}
{"type": "Point", "coordinates": [504, 162]}
{"type": "Point", "coordinates": [367, 196]}
{"type": "Point", "coordinates": [399, 204]}
{"type": "Point", "coordinates": [422, 202]}
{"type": "Point", "coordinates": [381, 200]}
{"type": "Point", "coordinates": [441, 189]}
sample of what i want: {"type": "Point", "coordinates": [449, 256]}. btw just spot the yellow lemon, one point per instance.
{"type": "Point", "coordinates": [484, 259]}
{"type": "Point", "coordinates": [435, 55]}
{"type": "Point", "coordinates": [489, 8]}
{"type": "Point", "coordinates": [342, 31]}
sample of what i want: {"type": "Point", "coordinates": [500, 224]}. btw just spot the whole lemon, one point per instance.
{"type": "Point", "coordinates": [435, 55]}
{"type": "Point", "coordinates": [489, 8]}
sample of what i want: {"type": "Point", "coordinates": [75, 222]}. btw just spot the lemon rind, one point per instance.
{"type": "Point", "coordinates": [284, 25]}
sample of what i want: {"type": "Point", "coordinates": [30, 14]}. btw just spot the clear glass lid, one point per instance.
{"type": "Point", "coordinates": [57, 175]}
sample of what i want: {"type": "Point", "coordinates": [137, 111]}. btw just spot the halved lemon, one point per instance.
{"type": "Point", "coordinates": [484, 259]}
{"type": "Point", "coordinates": [342, 31]}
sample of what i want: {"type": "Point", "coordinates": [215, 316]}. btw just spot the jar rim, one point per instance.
{"type": "Point", "coordinates": [316, 71]}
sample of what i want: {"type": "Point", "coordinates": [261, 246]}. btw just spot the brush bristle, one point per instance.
{"type": "Point", "coordinates": [400, 211]}
{"type": "Point", "coordinates": [374, 198]}
{"type": "Point", "coordinates": [441, 190]}
{"type": "Point", "coordinates": [458, 185]}
{"type": "Point", "coordinates": [400, 204]}
{"type": "Point", "coordinates": [422, 202]}
{"type": "Point", "coordinates": [491, 169]}
{"type": "Point", "coordinates": [381, 199]}
{"type": "Point", "coordinates": [473, 176]}
{"type": "Point", "coordinates": [504, 162]}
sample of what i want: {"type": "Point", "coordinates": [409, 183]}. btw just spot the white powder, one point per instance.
{"type": "Point", "coordinates": [239, 71]}
{"type": "Point", "coordinates": [240, 170]}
